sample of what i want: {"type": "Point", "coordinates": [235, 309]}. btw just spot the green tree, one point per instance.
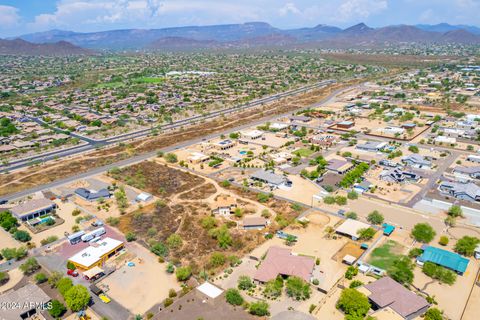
{"type": "Point", "coordinates": [57, 309]}
{"type": "Point", "coordinates": [273, 288]}
{"type": "Point", "coordinates": [433, 314]}
{"type": "Point", "coordinates": [352, 195]}
{"type": "Point", "coordinates": [40, 277]}
{"type": "Point", "coordinates": [351, 215]}
{"type": "Point", "coordinates": [297, 288]}
{"type": "Point", "coordinates": [29, 266]}
{"type": "Point", "coordinates": [375, 217]}
{"type": "Point", "coordinates": [366, 233]}
{"type": "Point", "coordinates": [174, 241]}
{"type": "Point", "coordinates": [170, 157]}
{"type": "Point", "coordinates": [401, 270]}
{"type": "Point", "coordinates": [159, 249]}
{"type": "Point", "coordinates": [351, 272]}
{"type": "Point", "coordinates": [466, 245]}
{"type": "Point", "coordinates": [22, 236]}
{"type": "Point", "coordinates": [259, 308]}
{"type": "Point", "coordinates": [217, 259]}
{"type": "Point", "coordinates": [244, 283]}
{"type": "Point", "coordinates": [423, 232]}
{"type": "Point", "coordinates": [341, 200]}
{"type": "Point", "coordinates": [55, 276]}
{"type": "Point", "coordinates": [63, 285]}
{"type": "Point", "coordinates": [443, 240]}
{"type": "Point", "coordinates": [353, 303]}
{"type": "Point", "coordinates": [413, 149]}
{"type": "Point", "coordinates": [77, 298]}
{"type": "Point", "coordinates": [209, 222]}
{"type": "Point", "coordinates": [183, 273]}
{"type": "Point", "coordinates": [440, 273]}
{"type": "Point", "coordinates": [455, 211]}
{"type": "Point", "coordinates": [234, 297]}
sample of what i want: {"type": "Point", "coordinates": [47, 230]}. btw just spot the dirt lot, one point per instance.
{"type": "Point", "coordinates": [186, 200]}
{"type": "Point", "coordinates": [452, 299]}
{"type": "Point", "coordinates": [157, 179]}
{"type": "Point", "coordinates": [350, 248]}
{"type": "Point", "coordinates": [146, 274]}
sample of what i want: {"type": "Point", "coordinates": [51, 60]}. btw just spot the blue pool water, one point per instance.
{"type": "Point", "coordinates": [242, 152]}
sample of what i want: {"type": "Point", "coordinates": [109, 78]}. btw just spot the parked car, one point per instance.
{"type": "Point", "coordinates": [97, 223]}
{"type": "Point", "coordinates": [72, 273]}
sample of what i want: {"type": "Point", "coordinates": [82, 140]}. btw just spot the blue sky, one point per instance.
{"type": "Point", "coordinates": [25, 16]}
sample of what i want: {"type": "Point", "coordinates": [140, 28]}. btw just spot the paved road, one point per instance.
{"type": "Point", "coordinates": [92, 144]}
{"type": "Point", "coordinates": [146, 156]}
{"type": "Point", "coordinates": [432, 179]}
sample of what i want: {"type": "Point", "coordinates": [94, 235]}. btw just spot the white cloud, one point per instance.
{"type": "Point", "coordinates": [9, 17]}
{"type": "Point", "coordinates": [289, 7]}
{"type": "Point", "coordinates": [90, 14]}
{"type": "Point", "coordinates": [351, 9]}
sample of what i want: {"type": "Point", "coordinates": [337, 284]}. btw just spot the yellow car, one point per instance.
{"type": "Point", "coordinates": [104, 298]}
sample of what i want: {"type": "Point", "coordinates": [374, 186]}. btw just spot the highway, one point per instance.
{"type": "Point", "coordinates": [148, 155]}
{"type": "Point", "coordinates": [92, 144]}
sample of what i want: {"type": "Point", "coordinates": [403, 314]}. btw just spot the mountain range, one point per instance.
{"type": "Point", "coordinates": [253, 34]}
{"type": "Point", "coordinates": [22, 47]}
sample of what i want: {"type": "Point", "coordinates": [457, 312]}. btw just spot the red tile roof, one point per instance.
{"type": "Point", "coordinates": [280, 261]}
{"type": "Point", "coordinates": [386, 292]}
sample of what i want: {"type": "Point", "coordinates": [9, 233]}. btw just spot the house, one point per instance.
{"type": "Point", "coordinates": [224, 205]}
{"type": "Point", "coordinates": [251, 134]}
{"type": "Point", "coordinates": [143, 197]}
{"type": "Point", "coordinates": [408, 126]}
{"type": "Point", "coordinates": [224, 144]}
{"type": "Point", "coordinates": [363, 186]}
{"type": "Point", "coordinates": [396, 175]}
{"type": "Point", "coordinates": [281, 261]}
{"type": "Point", "coordinates": [371, 146]}
{"type": "Point", "coordinates": [33, 209]}
{"type": "Point", "coordinates": [464, 191]}
{"type": "Point", "coordinates": [270, 178]}
{"type": "Point", "coordinates": [339, 166]}
{"type": "Point", "coordinates": [345, 124]}
{"type": "Point", "coordinates": [197, 157]}
{"type": "Point", "coordinates": [446, 140]}
{"type": "Point", "coordinates": [31, 301]}
{"type": "Point", "coordinates": [444, 258]}
{"type": "Point", "coordinates": [386, 293]}
{"type": "Point", "coordinates": [300, 119]}
{"type": "Point", "coordinates": [392, 130]}
{"type": "Point", "coordinates": [92, 195]}
{"type": "Point", "coordinates": [417, 161]}
{"type": "Point", "coordinates": [277, 126]}
{"type": "Point", "coordinates": [351, 227]}
{"type": "Point", "coordinates": [96, 254]}
{"type": "Point", "coordinates": [467, 172]}
{"type": "Point", "coordinates": [324, 140]}
{"type": "Point", "coordinates": [254, 223]}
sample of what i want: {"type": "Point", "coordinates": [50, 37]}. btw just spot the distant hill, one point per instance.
{"type": "Point", "coordinates": [259, 34]}
{"type": "Point", "coordinates": [22, 47]}
{"type": "Point", "coordinates": [445, 27]}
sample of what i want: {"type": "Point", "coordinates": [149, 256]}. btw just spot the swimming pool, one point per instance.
{"type": "Point", "coordinates": [242, 152]}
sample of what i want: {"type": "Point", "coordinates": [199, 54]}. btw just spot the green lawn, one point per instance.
{"type": "Point", "coordinates": [303, 152]}
{"type": "Point", "coordinates": [383, 256]}
{"type": "Point", "coordinates": [148, 80]}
